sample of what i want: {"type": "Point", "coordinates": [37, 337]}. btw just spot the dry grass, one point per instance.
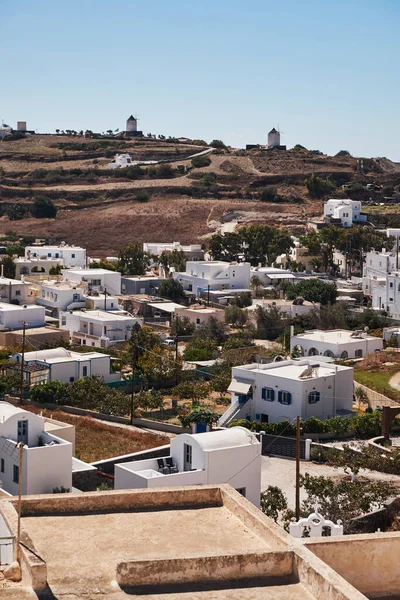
{"type": "Point", "coordinates": [97, 441]}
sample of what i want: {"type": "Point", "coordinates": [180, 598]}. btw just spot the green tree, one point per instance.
{"type": "Point", "coordinates": [43, 208]}
{"type": "Point", "coordinates": [192, 390]}
{"type": "Point", "coordinates": [172, 289]}
{"type": "Point", "coordinates": [16, 212]}
{"type": "Point", "coordinates": [53, 392]}
{"type": "Point", "coordinates": [199, 162]}
{"type": "Point", "coordinates": [270, 322]}
{"type": "Point", "coordinates": [313, 290]}
{"type": "Point", "coordinates": [132, 260]}
{"type": "Point", "coordinates": [218, 144]}
{"type": "Point", "coordinates": [318, 187]}
{"type": "Point", "coordinates": [235, 316]}
{"type": "Point", "coordinates": [9, 267]}
{"type": "Point", "coordinates": [199, 414]}
{"type": "Point", "coordinates": [273, 502]}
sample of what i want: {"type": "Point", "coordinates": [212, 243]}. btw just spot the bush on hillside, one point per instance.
{"type": "Point", "coordinates": [43, 208]}
{"type": "Point", "coordinates": [199, 162]}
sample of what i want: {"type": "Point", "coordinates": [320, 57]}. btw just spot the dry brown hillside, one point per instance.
{"type": "Point", "coordinates": [166, 202]}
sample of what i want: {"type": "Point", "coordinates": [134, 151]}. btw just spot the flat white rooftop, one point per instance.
{"type": "Point", "coordinates": [335, 336]}
{"type": "Point", "coordinates": [102, 315]}
{"type": "Point", "coordinates": [86, 272]}
{"type": "Point", "coordinates": [7, 281]}
{"type": "Point", "coordinates": [4, 307]}
{"type": "Point", "coordinates": [294, 371]}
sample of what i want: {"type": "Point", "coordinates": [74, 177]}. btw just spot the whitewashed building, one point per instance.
{"type": "Point", "coordinates": [344, 212]}
{"type": "Point", "coordinates": [190, 251]}
{"type": "Point", "coordinates": [37, 267]}
{"type": "Point", "coordinates": [270, 276]}
{"type": "Point", "coordinates": [121, 161]}
{"type": "Point", "coordinates": [99, 280]}
{"type": "Point", "coordinates": [68, 366]}
{"type": "Point", "coordinates": [70, 256]}
{"type": "Point", "coordinates": [46, 461]}
{"type": "Point", "coordinates": [16, 291]}
{"type": "Point", "coordinates": [215, 274]}
{"type": "Point", "coordinates": [57, 296]}
{"type": "Point", "coordinates": [281, 391]}
{"type": "Point", "coordinates": [98, 328]}
{"type": "Point", "coordinates": [228, 456]}
{"type": "Point", "coordinates": [336, 343]}
{"type": "Point", "coordinates": [13, 316]}
{"type": "Point", "coordinates": [377, 265]}
{"type": "Point", "coordinates": [199, 315]}
{"type": "Point", "coordinates": [288, 308]}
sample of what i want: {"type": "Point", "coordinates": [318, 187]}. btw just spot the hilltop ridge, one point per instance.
{"type": "Point", "coordinates": [173, 199]}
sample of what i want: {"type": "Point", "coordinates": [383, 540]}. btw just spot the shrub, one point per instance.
{"type": "Point", "coordinates": [318, 187]}
{"type": "Point", "coordinates": [240, 423]}
{"type": "Point", "coordinates": [268, 194]}
{"type": "Point", "coordinates": [343, 153]}
{"type": "Point", "coordinates": [11, 137]}
{"type": "Point", "coordinates": [218, 144]}
{"type": "Point", "coordinates": [199, 162]}
{"type": "Point", "coordinates": [16, 212]}
{"type": "Point", "coordinates": [43, 208]}
{"type": "Point", "coordinates": [142, 196]}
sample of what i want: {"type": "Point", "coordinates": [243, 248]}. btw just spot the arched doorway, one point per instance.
{"type": "Point", "coordinates": [38, 269]}
{"type": "Point", "coordinates": [313, 352]}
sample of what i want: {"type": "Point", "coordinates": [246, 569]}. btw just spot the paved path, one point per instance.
{"type": "Point", "coordinates": [281, 472]}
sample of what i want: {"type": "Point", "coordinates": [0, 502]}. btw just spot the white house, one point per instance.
{"type": "Point", "coordinates": [228, 456]}
{"type": "Point", "coordinates": [98, 328]}
{"type": "Point", "coordinates": [336, 343]}
{"type": "Point", "coordinates": [16, 291]}
{"type": "Point", "coordinates": [281, 391]}
{"type": "Point", "coordinates": [344, 212]}
{"type": "Point", "coordinates": [95, 279]}
{"type": "Point", "coordinates": [191, 251]}
{"type": "Point", "coordinates": [46, 460]}
{"type": "Point", "coordinates": [68, 366]}
{"type": "Point", "coordinates": [378, 264]}
{"type": "Point", "coordinates": [121, 161]}
{"type": "Point", "coordinates": [13, 316]}
{"type": "Point", "coordinates": [70, 256]}
{"type": "Point", "coordinates": [38, 267]}
{"type": "Point", "coordinates": [215, 275]}
{"type": "Point", "coordinates": [288, 308]}
{"type": "Point", "coordinates": [387, 297]}
{"type": "Point", "coordinates": [270, 276]}
{"type": "Point", "coordinates": [57, 296]}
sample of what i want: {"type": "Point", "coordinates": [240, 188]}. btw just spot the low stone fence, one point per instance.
{"type": "Point", "coordinates": [375, 399]}
{"type": "Point", "coordinates": [195, 569]}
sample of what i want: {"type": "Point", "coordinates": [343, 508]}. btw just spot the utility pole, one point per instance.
{"type": "Point", "coordinates": [21, 392]}
{"type": "Point", "coordinates": [298, 469]}
{"type": "Point", "coordinates": [133, 380]}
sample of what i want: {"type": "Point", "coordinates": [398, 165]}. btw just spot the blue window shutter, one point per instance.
{"type": "Point", "coordinates": [289, 398]}
{"type": "Point", "coordinates": [272, 395]}
{"type": "Point", "coordinates": [257, 417]}
{"type": "Point", "coordinates": [317, 399]}
{"type": "Point", "coordinates": [280, 397]}
{"type": "Point", "coordinates": [264, 393]}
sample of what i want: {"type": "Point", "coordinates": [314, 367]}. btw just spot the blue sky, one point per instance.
{"type": "Point", "coordinates": [325, 71]}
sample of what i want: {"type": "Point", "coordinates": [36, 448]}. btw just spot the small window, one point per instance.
{"type": "Point", "coordinates": [84, 372]}
{"type": "Point", "coordinates": [49, 254]}
{"type": "Point", "coordinates": [71, 379]}
{"type": "Point", "coordinates": [268, 394]}
{"type": "Point", "coordinates": [72, 255]}
{"type": "Point", "coordinates": [313, 397]}
{"type": "Point", "coordinates": [83, 342]}
{"type": "Point", "coordinates": [198, 321]}
{"type": "Point", "coordinates": [2, 465]}
{"type": "Point", "coordinates": [358, 353]}
{"type": "Point", "coordinates": [16, 474]}
{"type": "Point", "coordinates": [391, 284]}
{"type": "Point", "coordinates": [285, 397]}
{"type": "Point", "coordinates": [18, 292]}
{"type": "Point", "coordinates": [242, 491]}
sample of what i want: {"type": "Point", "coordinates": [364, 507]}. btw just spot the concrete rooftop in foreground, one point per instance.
{"type": "Point", "coordinates": [197, 543]}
